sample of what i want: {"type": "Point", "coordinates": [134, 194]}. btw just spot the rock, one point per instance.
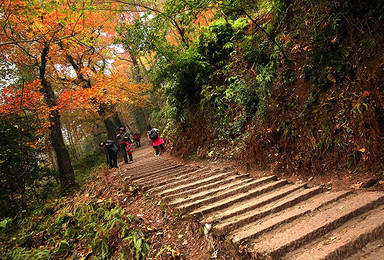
{"type": "Point", "coordinates": [369, 183]}
{"type": "Point", "coordinates": [207, 228]}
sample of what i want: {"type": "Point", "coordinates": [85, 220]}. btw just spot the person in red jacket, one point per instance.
{"type": "Point", "coordinates": [136, 139]}
{"type": "Point", "coordinates": [125, 144]}
{"type": "Point", "coordinates": [153, 134]}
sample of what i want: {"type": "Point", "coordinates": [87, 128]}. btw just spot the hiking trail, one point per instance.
{"type": "Point", "coordinates": [266, 218]}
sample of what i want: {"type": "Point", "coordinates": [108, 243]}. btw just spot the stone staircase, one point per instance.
{"type": "Point", "coordinates": [268, 218]}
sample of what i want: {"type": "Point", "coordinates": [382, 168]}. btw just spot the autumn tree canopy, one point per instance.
{"type": "Point", "coordinates": [63, 53]}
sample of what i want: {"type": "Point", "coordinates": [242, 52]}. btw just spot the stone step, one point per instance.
{"type": "Point", "coordinates": [314, 225]}
{"type": "Point", "coordinates": [145, 172]}
{"type": "Point", "coordinates": [224, 227]}
{"type": "Point", "coordinates": [344, 240]}
{"type": "Point", "coordinates": [254, 202]}
{"type": "Point", "coordinates": [196, 178]}
{"type": "Point", "coordinates": [147, 165]}
{"type": "Point", "coordinates": [376, 255]}
{"type": "Point", "coordinates": [189, 206]}
{"type": "Point", "coordinates": [209, 192]}
{"type": "Point", "coordinates": [186, 190]}
{"type": "Point", "coordinates": [265, 224]}
{"type": "Point", "coordinates": [288, 221]}
{"type": "Point", "coordinates": [138, 172]}
{"type": "Point", "coordinates": [140, 162]}
{"type": "Point", "coordinates": [166, 179]}
{"type": "Point", "coordinates": [152, 173]}
{"type": "Point", "coordinates": [166, 176]}
{"type": "Point", "coordinates": [372, 251]}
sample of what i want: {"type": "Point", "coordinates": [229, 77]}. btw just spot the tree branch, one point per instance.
{"type": "Point", "coordinates": [266, 33]}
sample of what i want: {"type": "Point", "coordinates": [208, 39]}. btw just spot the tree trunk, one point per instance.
{"type": "Point", "coordinates": [72, 142]}
{"type": "Point", "coordinates": [111, 128]}
{"type": "Point", "coordinates": [116, 119]}
{"type": "Point", "coordinates": [66, 173]}
{"type": "Point", "coordinates": [145, 116]}
{"type": "Point", "coordinates": [53, 158]}
{"type": "Point", "coordinates": [138, 78]}
{"type": "Point", "coordinates": [135, 68]}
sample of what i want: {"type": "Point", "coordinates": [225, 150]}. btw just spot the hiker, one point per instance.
{"type": "Point", "coordinates": [125, 144]}
{"type": "Point", "coordinates": [153, 134]}
{"type": "Point", "coordinates": [136, 138]}
{"type": "Point", "coordinates": [110, 149]}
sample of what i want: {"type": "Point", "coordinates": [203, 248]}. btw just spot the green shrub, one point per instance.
{"type": "Point", "coordinates": [101, 226]}
{"type": "Point", "coordinates": [24, 176]}
{"type": "Point", "coordinates": [328, 63]}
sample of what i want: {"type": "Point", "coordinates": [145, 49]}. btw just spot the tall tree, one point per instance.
{"type": "Point", "coordinates": [30, 31]}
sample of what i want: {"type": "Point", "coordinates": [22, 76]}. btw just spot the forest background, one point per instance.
{"type": "Point", "coordinates": [294, 87]}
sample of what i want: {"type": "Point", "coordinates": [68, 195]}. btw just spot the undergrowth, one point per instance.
{"type": "Point", "coordinates": [62, 229]}
{"type": "Point", "coordinates": [62, 225]}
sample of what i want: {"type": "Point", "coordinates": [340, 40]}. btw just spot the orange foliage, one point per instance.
{"type": "Point", "coordinates": [108, 90]}
{"type": "Point", "coordinates": [27, 98]}
{"type": "Point", "coordinates": [70, 29]}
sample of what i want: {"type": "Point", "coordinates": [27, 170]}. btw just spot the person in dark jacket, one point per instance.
{"type": "Point", "coordinates": [153, 134]}
{"type": "Point", "coordinates": [110, 149]}
{"type": "Point", "coordinates": [125, 144]}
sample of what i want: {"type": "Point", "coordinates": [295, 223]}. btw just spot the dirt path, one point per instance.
{"type": "Point", "coordinates": [266, 218]}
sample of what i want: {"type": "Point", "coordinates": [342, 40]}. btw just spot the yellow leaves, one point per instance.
{"type": "Point", "coordinates": [331, 240]}
{"type": "Point", "coordinates": [216, 4]}
{"type": "Point", "coordinates": [86, 254]}
{"type": "Point", "coordinates": [150, 229]}
{"type": "Point", "coordinates": [356, 186]}
{"type": "Point", "coordinates": [86, 71]}
{"type": "Point", "coordinates": [313, 141]}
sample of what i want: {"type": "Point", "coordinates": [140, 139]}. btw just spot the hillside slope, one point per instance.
{"type": "Point", "coordinates": [293, 87]}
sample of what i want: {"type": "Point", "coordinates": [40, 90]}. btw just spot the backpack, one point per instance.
{"type": "Point", "coordinates": [153, 134]}
{"type": "Point", "coordinates": [111, 145]}
{"type": "Point", "coordinates": [129, 148]}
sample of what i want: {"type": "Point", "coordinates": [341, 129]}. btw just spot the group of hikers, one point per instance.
{"type": "Point", "coordinates": [123, 142]}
